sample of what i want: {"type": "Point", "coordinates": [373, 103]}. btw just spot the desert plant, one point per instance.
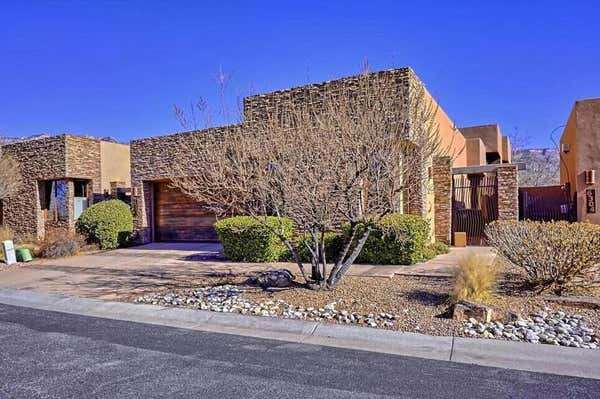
{"type": "Point", "coordinates": [397, 240]}
{"type": "Point", "coordinates": [108, 224]}
{"type": "Point", "coordinates": [439, 248]}
{"type": "Point", "coordinates": [434, 249]}
{"type": "Point", "coordinates": [246, 239]}
{"type": "Point", "coordinates": [59, 243]}
{"type": "Point", "coordinates": [556, 256]}
{"type": "Point", "coordinates": [6, 233]}
{"type": "Point", "coordinates": [474, 278]}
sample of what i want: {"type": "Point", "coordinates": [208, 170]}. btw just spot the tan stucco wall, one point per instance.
{"type": "Point", "coordinates": [453, 144]}
{"type": "Point", "coordinates": [115, 161]}
{"type": "Point", "coordinates": [475, 150]}
{"type": "Point", "coordinates": [452, 141]}
{"type": "Point", "coordinates": [506, 150]}
{"type": "Point", "coordinates": [568, 161]}
{"type": "Point", "coordinates": [489, 134]}
{"type": "Point", "coordinates": [582, 132]}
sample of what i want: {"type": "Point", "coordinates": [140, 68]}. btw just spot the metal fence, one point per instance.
{"type": "Point", "coordinates": [546, 203]}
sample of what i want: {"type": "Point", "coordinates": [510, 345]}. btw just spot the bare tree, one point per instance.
{"type": "Point", "coordinates": [342, 158]}
{"type": "Point", "coordinates": [10, 175]}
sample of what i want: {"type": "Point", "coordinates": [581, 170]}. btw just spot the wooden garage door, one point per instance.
{"type": "Point", "coordinates": [179, 218]}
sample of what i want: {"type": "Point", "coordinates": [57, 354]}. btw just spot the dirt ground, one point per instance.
{"type": "Point", "coordinates": [420, 303]}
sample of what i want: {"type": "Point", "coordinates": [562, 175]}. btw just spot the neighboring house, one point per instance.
{"type": "Point", "coordinates": [163, 213]}
{"type": "Point", "coordinates": [62, 175]}
{"type": "Point", "coordinates": [486, 145]}
{"type": "Point", "coordinates": [580, 158]}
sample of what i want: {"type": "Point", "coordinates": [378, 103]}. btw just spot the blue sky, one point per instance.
{"type": "Point", "coordinates": [117, 68]}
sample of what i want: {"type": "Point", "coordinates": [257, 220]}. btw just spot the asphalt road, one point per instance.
{"type": "Point", "coordinates": [55, 355]}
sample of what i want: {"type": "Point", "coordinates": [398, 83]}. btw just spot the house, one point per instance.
{"type": "Point", "coordinates": [163, 213]}
{"type": "Point", "coordinates": [580, 160]}
{"type": "Point", "coordinates": [62, 175]}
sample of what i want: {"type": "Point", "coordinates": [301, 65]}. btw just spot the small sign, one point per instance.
{"type": "Point", "coordinates": [8, 252]}
{"type": "Point", "coordinates": [590, 200]}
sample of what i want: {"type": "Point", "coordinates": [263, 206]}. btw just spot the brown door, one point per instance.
{"type": "Point", "coordinates": [179, 218]}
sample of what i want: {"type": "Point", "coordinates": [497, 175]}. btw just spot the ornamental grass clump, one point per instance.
{"type": "Point", "coordinates": [474, 278]}
{"type": "Point", "coordinates": [558, 257]}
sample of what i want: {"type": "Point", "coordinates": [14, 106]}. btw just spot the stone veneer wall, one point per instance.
{"type": "Point", "coordinates": [403, 79]}
{"type": "Point", "coordinates": [442, 186]}
{"type": "Point", "coordinates": [258, 106]}
{"type": "Point", "coordinates": [158, 159]}
{"type": "Point", "coordinates": [41, 159]}
{"type": "Point", "coordinates": [49, 158]}
{"type": "Point", "coordinates": [83, 160]}
{"type": "Point", "coordinates": [508, 192]}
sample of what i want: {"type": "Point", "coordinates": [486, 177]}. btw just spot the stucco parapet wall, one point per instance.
{"type": "Point", "coordinates": [163, 157]}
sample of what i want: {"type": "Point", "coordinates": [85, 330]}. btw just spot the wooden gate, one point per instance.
{"type": "Point", "coordinates": [474, 204]}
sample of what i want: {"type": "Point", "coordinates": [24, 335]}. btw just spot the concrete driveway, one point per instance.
{"type": "Point", "coordinates": [129, 271]}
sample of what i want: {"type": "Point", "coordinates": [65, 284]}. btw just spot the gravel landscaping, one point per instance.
{"type": "Point", "coordinates": [415, 304]}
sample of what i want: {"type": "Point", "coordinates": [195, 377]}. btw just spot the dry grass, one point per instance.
{"type": "Point", "coordinates": [60, 243]}
{"type": "Point", "coordinates": [474, 279]}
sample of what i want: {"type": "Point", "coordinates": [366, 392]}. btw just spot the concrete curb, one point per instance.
{"type": "Point", "coordinates": [493, 353]}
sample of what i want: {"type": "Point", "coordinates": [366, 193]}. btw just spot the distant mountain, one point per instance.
{"type": "Point", "coordinates": [10, 140]}
{"type": "Point", "coordinates": [542, 166]}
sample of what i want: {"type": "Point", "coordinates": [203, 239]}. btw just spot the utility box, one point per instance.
{"type": "Point", "coordinates": [8, 252]}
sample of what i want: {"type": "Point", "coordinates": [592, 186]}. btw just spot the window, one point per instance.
{"type": "Point", "coordinates": [80, 188]}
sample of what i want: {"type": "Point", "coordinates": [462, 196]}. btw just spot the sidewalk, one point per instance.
{"type": "Point", "coordinates": [510, 355]}
{"type": "Point", "coordinates": [444, 265]}
{"type": "Point", "coordinates": [113, 274]}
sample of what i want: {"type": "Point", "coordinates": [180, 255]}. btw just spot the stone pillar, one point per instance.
{"type": "Point", "coordinates": [417, 188]}
{"type": "Point", "coordinates": [442, 194]}
{"type": "Point", "coordinates": [70, 199]}
{"type": "Point", "coordinates": [142, 203]}
{"type": "Point", "coordinates": [508, 192]}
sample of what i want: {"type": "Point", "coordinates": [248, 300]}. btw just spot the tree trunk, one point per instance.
{"type": "Point", "coordinates": [342, 266]}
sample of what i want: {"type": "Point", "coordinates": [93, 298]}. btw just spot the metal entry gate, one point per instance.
{"type": "Point", "coordinates": [474, 204]}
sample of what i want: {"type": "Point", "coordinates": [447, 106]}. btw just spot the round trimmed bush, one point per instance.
{"type": "Point", "coordinates": [246, 239]}
{"type": "Point", "coordinates": [107, 223]}
{"type": "Point", "coordinates": [397, 240]}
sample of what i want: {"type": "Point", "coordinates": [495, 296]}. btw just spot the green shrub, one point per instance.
{"type": "Point", "coordinates": [246, 239]}
{"type": "Point", "coordinates": [434, 249]}
{"type": "Point", "coordinates": [397, 240]}
{"type": "Point", "coordinates": [556, 256]}
{"type": "Point", "coordinates": [333, 246]}
{"type": "Point", "coordinates": [108, 224]}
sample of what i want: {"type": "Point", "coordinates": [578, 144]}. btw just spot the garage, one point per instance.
{"type": "Point", "coordinates": [177, 217]}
